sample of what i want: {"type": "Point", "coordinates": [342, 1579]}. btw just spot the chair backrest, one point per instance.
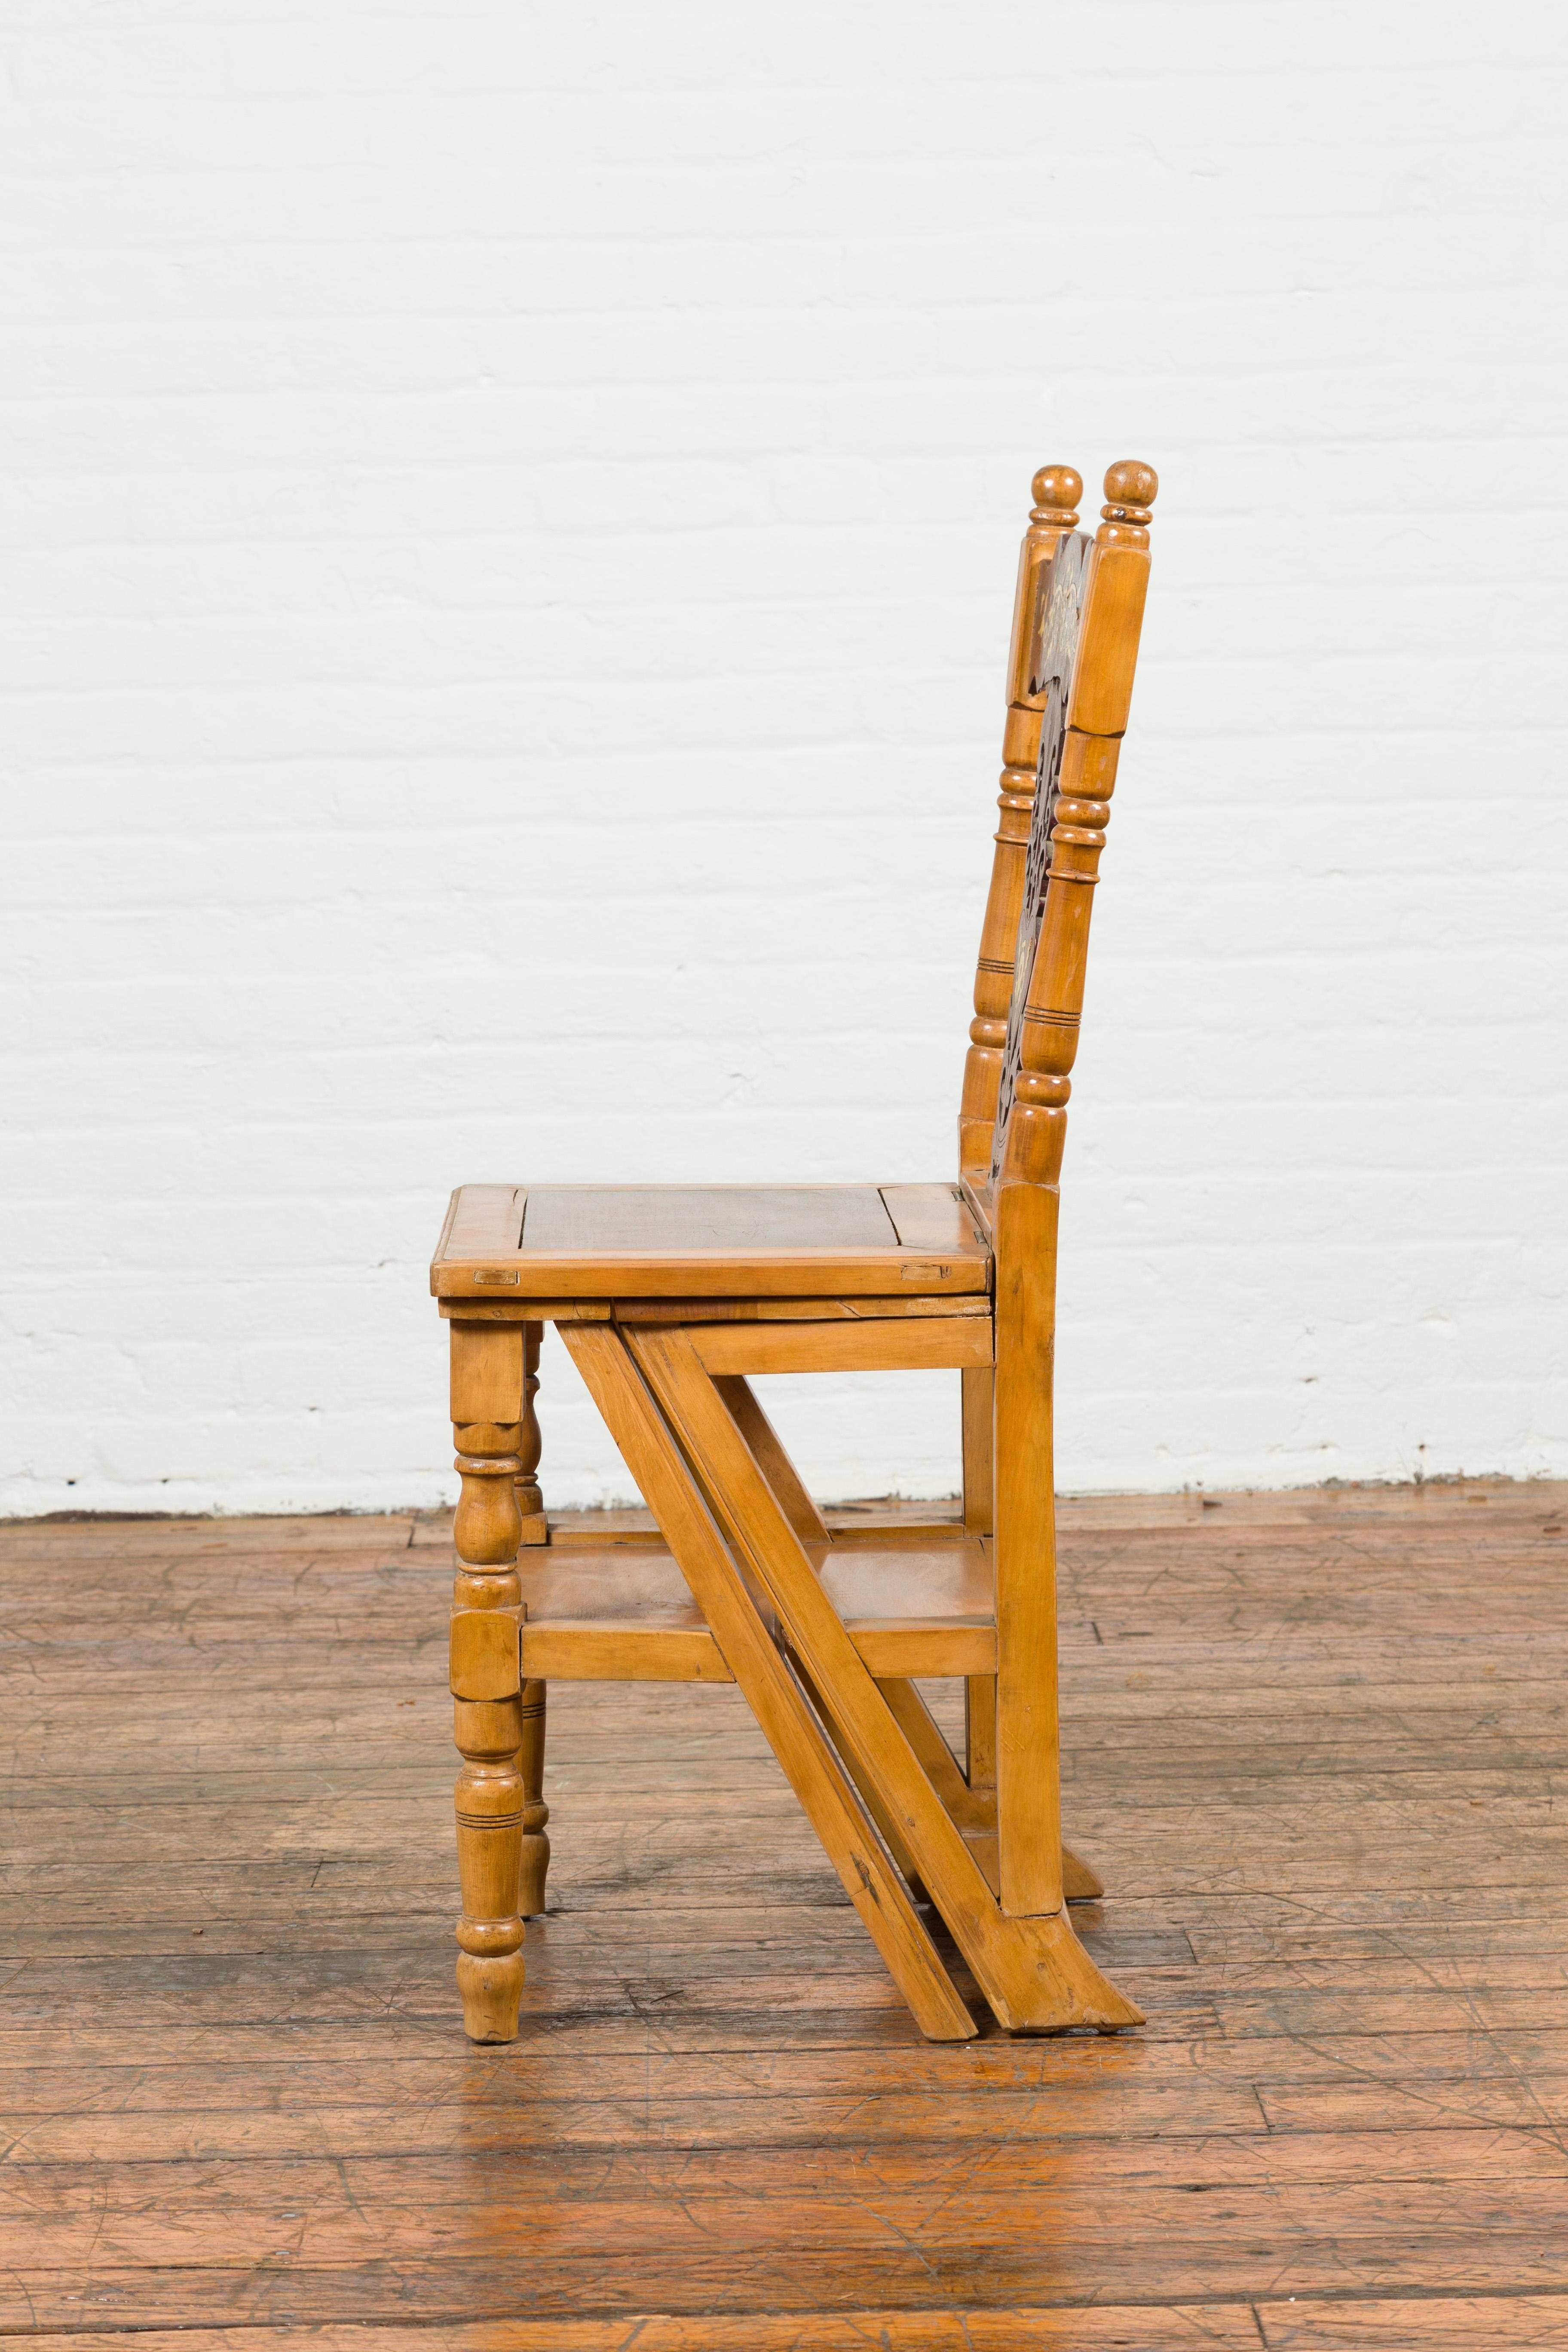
{"type": "Point", "coordinates": [1076, 618]}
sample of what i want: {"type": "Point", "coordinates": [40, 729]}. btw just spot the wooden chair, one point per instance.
{"type": "Point", "coordinates": [669, 1298]}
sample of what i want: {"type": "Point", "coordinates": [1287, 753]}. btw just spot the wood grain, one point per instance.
{"type": "Point", "coordinates": [1056, 490]}
{"type": "Point", "coordinates": [570, 1221]}
{"type": "Point", "coordinates": [768, 1449]}
{"type": "Point", "coordinates": [740, 1615]}
{"type": "Point", "coordinates": [596, 1611]}
{"type": "Point", "coordinates": [546, 1253]}
{"type": "Point", "coordinates": [1034, 1973]}
{"type": "Point", "coordinates": [942, 1343]}
{"type": "Point", "coordinates": [1216, 2327]}
{"type": "Point", "coordinates": [1323, 1787]}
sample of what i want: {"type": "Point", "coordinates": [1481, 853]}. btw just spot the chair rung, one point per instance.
{"type": "Point", "coordinates": [633, 1650]}
{"type": "Point", "coordinates": [601, 1651]}
{"type": "Point", "coordinates": [905, 1646]}
{"type": "Point", "coordinates": [935, 1343]}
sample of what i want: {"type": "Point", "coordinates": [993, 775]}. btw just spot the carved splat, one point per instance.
{"type": "Point", "coordinates": [1056, 491]}
{"type": "Point", "coordinates": [1053, 651]}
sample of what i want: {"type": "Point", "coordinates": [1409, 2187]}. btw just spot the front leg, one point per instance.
{"type": "Point", "coordinates": [487, 1691]}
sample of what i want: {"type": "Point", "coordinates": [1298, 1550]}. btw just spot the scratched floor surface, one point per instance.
{"type": "Point", "coordinates": [1315, 1745]}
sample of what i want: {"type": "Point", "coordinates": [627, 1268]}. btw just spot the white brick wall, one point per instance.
{"type": "Point", "coordinates": [509, 515]}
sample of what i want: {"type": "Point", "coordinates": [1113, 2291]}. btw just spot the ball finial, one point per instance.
{"type": "Point", "coordinates": [1056, 491]}
{"type": "Point", "coordinates": [1130, 484]}
{"type": "Point", "coordinates": [1129, 492]}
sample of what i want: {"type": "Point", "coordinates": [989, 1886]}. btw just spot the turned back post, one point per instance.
{"type": "Point", "coordinates": [1041, 1044]}
{"type": "Point", "coordinates": [1056, 491]}
{"type": "Point", "coordinates": [1036, 1050]}
{"type": "Point", "coordinates": [1053, 718]}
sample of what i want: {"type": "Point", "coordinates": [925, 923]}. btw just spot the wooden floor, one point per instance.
{"type": "Point", "coordinates": [1315, 1741]}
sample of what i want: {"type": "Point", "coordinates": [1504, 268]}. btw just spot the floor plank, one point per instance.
{"type": "Point", "coordinates": [1215, 2327]}
{"type": "Point", "coordinates": [235, 2105]}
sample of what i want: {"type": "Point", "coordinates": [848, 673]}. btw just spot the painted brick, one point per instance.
{"type": "Point", "coordinates": [506, 524]}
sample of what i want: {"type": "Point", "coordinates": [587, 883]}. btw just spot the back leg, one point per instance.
{"type": "Point", "coordinates": [530, 1758]}
{"type": "Point", "coordinates": [1079, 1883]}
{"type": "Point", "coordinates": [535, 1811]}
{"type": "Point", "coordinates": [530, 1501]}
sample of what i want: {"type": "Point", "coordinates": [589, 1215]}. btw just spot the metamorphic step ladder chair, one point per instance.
{"type": "Point", "coordinates": [668, 1297]}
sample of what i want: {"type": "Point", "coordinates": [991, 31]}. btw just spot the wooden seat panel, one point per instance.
{"type": "Point", "coordinates": [629, 1218]}
{"type": "Point", "coordinates": [562, 1242]}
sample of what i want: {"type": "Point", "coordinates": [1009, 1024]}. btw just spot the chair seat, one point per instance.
{"type": "Point", "coordinates": [916, 1604]}
{"type": "Point", "coordinates": [580, 1241]}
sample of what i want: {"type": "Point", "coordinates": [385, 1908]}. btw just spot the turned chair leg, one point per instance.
{"type": "Point", "coordinates": [487, 1694]}
{"type": "Point", "coordinates": [535, 1530]}
{"type": "Point", "coordinates": [535, 1811]}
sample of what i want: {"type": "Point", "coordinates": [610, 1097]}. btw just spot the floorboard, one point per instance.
{"type": "Point", "coordinates": [1314, 1744]}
